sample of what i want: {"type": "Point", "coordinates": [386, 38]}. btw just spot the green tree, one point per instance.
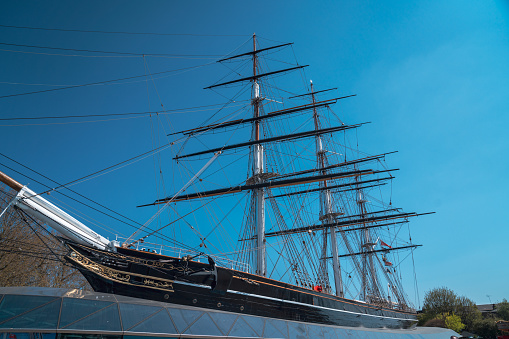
{"type": "Point", "coordinates": [454, 323]}
{"type": "Point", "coordinates": [468, 311]}
{"type": "Point", "coordinates": [442, 301]}
{"type": "Point", "coordinates": [447, 320]}
{"type": "Point", "coordinates": [436, 322]}
{"type": "Point", "coordinates": [485, 328]}
{"type": "Point", "coordinates": [503, 309]}
{"type": "Point", "coordinates": [438, 301]}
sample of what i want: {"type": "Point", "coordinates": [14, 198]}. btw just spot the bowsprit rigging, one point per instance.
{"type": "Point", "coordinates": [316, 241]}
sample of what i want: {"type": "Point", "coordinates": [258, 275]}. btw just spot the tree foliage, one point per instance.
{"type": "Point", "coordinates": [485, 328]}
{"type": "Point", "coordinates": [440, 302]}
{"type": "Point", "coordinates": [446, 320]}
{"type": "Point", "coordinates": [453, 322]}
{"type": "Point", "coordinates": [468, 311]}
{"type": "Point", "coordinates": [503, 309]}
{"type": "Point", "coordinates": [436, 322]}
{"type": "Point", "coordinates": [29, 254]}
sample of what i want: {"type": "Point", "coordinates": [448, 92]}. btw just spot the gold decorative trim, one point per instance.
{"type": "Point", "coordinates": [115, 275]}
{"type": "Point", "coordinates": [146, 262]}
{"type": "Point", "coordinates": [158, 284]}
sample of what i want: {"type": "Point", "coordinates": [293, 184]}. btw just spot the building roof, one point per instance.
{"type": "Point", "coordinates": [487, 308]}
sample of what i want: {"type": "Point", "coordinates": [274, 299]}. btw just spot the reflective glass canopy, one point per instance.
{"type": "Point", "coordinates": [75, 314]}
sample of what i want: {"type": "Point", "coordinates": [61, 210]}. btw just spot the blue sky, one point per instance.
{"type": "Point", "coordinates": [432, 77]}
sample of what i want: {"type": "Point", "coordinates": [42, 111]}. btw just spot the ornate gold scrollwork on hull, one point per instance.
{"type": "Point", "coordinates": [159, 284]}
{"type": "Point", "coordinates": [115, 275]}
{"type": "Point", "coordinates": [146, 262]}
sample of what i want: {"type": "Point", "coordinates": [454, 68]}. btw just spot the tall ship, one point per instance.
{"type": "Point", "coordinates": [316, 237]}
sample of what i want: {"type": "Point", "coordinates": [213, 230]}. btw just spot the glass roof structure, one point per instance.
{"type": "Point", "coordinates": [52, 313]}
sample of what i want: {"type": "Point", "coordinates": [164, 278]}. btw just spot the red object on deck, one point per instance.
{"type": "Point", "coordinates": [317, 288]}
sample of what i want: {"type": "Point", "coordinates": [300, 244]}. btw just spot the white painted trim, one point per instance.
{"type": "Point", "coordinates": [291, 302]}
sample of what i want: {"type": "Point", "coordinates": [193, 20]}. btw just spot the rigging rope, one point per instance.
{"type": "Point", "coordinates": [125, 223]}
{"type": "Point", "coordinates": [124, 32]}
{"type": "Point", "coordinates": [105, 81]}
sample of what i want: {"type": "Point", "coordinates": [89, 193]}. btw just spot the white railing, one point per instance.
{"type": "Point", "coordinates": [180, 253]}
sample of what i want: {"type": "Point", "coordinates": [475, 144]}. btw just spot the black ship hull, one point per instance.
{"type": "Point", "coordinates": [185, 282]}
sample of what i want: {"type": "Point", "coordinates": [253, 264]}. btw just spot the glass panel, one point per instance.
{"type": "Point", "coordinates": [242, 329]}
{"type": "Point", "coordinates": [158, 323]}
{"type": "Point", "coordinates": [107, 319]}
{"type": "Point", "coordinates": [183, 318]}
{"type": "Point", "coordinates": [133, 314]}
{"type": "Point", "coordinates": [28, 335]}
{"type": "Point", "coordinates": [315, 331]}
{"type": "Point", "coordinates": [97, 296]}
{"type": "Point", "coordinates": [269, 331]}
{"type": "Point", "coordinates": [280, 325]}
{"type": "Point", "coordinates": [298, 330]}
{"type": "Point", "coordinates": [44, 317]}
{"type": "Point", "coordinates": [44, 335]}
{"type": "Point", "coordinates": [344, 333]}
{"type": "Point", "coordinates": [256, 323]}
{"type": "Point", "coordinates": [379, 335]}
{"type": "Point", "coordinates": [328, 332]}
{"type": "Point", "coordinates": [146, 337]}
{"type": "Point", "coordinates": [87, 336]}
{"type": "Point", "coordinates": [75, 309]}
{"type": "Point", "coordinates": [13, 305]}
{"type": "Point", "coordinates": [17, 335]}
{"type": "Point", "coordinates": [224, 321]}
{"type": "Point", "coordinates": [204, 326]}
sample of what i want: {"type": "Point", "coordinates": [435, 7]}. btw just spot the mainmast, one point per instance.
{"type": "Point", "coordinates": [258, 194]}
{"type": "Point", "coordinates": [326, 213]}
{"type": "Point", "coordinates": [258, 180]}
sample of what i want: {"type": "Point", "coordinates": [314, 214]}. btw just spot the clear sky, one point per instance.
{"type": "Point", "coordinates": [432, 77]}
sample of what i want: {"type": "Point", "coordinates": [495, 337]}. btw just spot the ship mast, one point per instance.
{"type": "Point", "coordinates": [259, 182]}
{"type": "Point", "coordinates": [367, 248]}
{"type": "Point", "coordinates": [258, 194]}
{"type": "Point", "coordinates": [369, 276]}
{"type": "Point", "coordinates": [326, 213]}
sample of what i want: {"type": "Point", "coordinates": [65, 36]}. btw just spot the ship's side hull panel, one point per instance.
{"type": "Point", "coordinates": [248, 304]}
{"type": "Point", "coordinates": [245, 293]}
